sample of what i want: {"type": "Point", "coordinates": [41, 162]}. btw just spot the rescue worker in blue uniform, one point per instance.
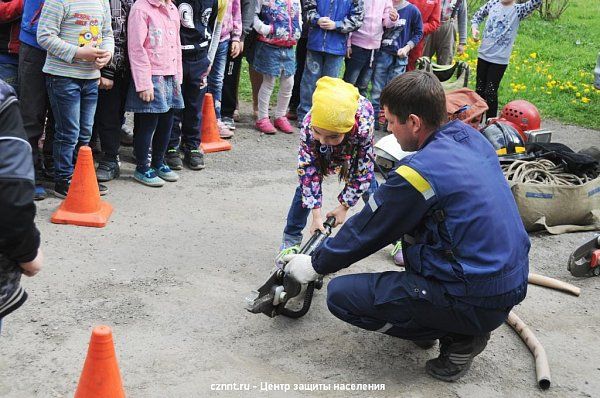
{"type": "Point", "coordinates": [464, 245]}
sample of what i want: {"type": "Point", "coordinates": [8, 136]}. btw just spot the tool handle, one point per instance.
{"type": "Point", "coordinates": [318, 237]}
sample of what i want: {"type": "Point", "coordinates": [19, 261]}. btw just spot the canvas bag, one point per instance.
{"type": "Point", "coordinates": [559, 209]}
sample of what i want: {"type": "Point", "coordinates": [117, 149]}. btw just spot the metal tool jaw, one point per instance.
{"type": "Point", "coordinates": [585, 261]}
{"type": "Point", "coordinates": [273, 296]}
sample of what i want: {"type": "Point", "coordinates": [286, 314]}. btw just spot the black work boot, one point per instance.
{"type": "Point", "coordinates": [456, 355]}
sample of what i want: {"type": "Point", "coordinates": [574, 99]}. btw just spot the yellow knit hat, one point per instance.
{"type": "Point", "coordinates": [334, 106]}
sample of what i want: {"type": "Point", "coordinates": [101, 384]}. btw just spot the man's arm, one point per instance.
{"type": "Point", "coordinates": [462, 22]}
{"type": "Point", "coordinates": [395, 209]}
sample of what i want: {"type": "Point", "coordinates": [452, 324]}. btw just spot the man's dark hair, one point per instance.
{"type": "Point", "coordinates": [419, 93]}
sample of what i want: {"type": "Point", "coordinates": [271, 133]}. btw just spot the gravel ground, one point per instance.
{"type": "Point", "coordinates": [170, 272]}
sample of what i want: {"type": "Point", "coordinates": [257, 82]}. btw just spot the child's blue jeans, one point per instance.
{"type": "Point", "coordinates": [73, 104]}
{"type": "Point", "coordinates": [387, 66]}
{"type": "Point", "coordinates": [318, 64]}
{"type": "Point", "coordinates": [298, 215]}
{"type": "Point", "coordinates": [217, 75]}
{"type": "Point", "coordinates": [359, 68]}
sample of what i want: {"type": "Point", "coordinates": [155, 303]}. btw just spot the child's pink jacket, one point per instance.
{"type": "Point", "coordinates": [368, 36]}
{"type": "Point", "coordinates": [153, 42]}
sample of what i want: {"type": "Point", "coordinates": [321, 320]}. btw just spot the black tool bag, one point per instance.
{"type": "Point", "coordinates": [580, 164]}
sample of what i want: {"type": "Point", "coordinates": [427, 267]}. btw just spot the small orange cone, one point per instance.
{"type": "Point", "coordinates": [211, 141]}
{"type": "Point", "coordinates": [83, 206]}
{"type": "Point", "coordinates": [100, 377]}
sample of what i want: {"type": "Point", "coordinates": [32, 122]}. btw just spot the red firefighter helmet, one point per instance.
{"type": "Point", "coordinates": [523, 114]}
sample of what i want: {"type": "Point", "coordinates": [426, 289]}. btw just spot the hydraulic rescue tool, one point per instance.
{"type": "Point", "coordinates": [585, 261]}
{"type": "Point", "coordinates": [273, 297]}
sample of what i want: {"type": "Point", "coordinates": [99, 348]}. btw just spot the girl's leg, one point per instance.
{"type": "Point", "coordinates": [494, 77]}
{"type": "Point", "coordinates": [264, 96]}
{"type": "Point", "coordinates": [286, 85]}
{"type": "Point", "coordinates": [160, 140]}
{"type": "Point", "coordinates": [481, 80]}
{"type": "Point", "coordinates": [296, 221]}
{"type": "Point", "coordinates": [256, 82]}
{"type": "Point", "coordinates": [145, 125]}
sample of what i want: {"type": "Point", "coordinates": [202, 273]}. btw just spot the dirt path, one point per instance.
{"type": "Point", "coordinates": [171, 270]}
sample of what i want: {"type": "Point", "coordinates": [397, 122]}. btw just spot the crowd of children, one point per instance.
{"type": "Point", "coordinates": [76, 67]}
{"type": "Point", "coordinates": [80, 65]}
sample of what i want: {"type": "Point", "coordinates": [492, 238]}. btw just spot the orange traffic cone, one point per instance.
{"type": "Point", "coordinates": [211, 141]}
{"type": "Point", "coordinates": [100, 377]}
{"type": "Point", "coordinates": [83, 206]}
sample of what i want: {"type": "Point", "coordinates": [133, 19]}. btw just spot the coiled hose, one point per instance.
{"type": "Point", "coordinates": [541, 171]}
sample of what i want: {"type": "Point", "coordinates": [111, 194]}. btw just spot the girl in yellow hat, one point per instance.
{"type": "Point", "coordinates": [336, 137]}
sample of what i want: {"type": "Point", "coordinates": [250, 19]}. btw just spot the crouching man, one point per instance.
{"type": "Point", "coordinates": [464, 245]}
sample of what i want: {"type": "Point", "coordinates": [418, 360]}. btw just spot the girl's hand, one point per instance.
{"type": "Point", "coordinates": [236, 49]}
{"type": "Point", "coordinates": [339, 213]}
{"type": "Point", "coordinates": [460, 49]}
{"type": "Point", "coordinates": [317, 222]}
{"type": "Point", "coordinates": [475, 33]}
{"type": "Point", "coordinates": [349, 52]}
{"type": "Point", "coordinates": [393, 15]}
{"type": "Point", "coordinates": [147, 95]}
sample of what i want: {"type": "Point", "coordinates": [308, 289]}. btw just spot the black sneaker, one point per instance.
{"type": "Point", "coordinates": [173, 159]}
{"type": "Point", "coordinates": [456, 355]}
{"type": "Point", "coordinates": [39, 193]}
{"type": "Point", "coordinates": [103, 189]}
{"type": "Point", "coordinates": [194, 159]}
{"type": "Point", "coordinates": [107, 171]}
{"type": "Point", "coordinates": [61, 188]}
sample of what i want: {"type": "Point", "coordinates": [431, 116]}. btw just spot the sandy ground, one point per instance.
{"type": "Point", "coordinates": [170, 272]}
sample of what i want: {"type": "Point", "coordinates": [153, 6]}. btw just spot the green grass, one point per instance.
{"type": "Point", "coordinates": [551, 66]}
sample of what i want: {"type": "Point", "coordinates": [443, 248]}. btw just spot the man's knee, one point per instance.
{"type": "Point", "coordinates": [337, 296]}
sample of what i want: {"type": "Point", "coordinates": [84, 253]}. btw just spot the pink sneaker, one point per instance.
{"type": "Point", "coordinates": [264, 126]}
{"type": "Point", "coordinates": [283, 124]}
{"type": "Point", "coordinates": [224, 131]}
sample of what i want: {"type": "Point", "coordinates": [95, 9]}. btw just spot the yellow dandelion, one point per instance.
{"type": "Point", "coordinates": [578, 95]}
{"type": "Point", "coordinates": [533, 55]}
{"type": "Point", "coordinates": [587, 90]}
{"type": "Point", "coordinates": [561, 88]}
{"type": "Point", "coordinates": [585, 100]}
{"type": "Point", "coordinates": [549, 77]}
{"type": "Point", "coordinates": [514, 90]}
{"type": "Point", "coordinates": [548, 92]}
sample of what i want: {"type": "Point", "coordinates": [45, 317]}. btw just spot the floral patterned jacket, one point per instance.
{"type": "Point", "coordinates": [357, 148]}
